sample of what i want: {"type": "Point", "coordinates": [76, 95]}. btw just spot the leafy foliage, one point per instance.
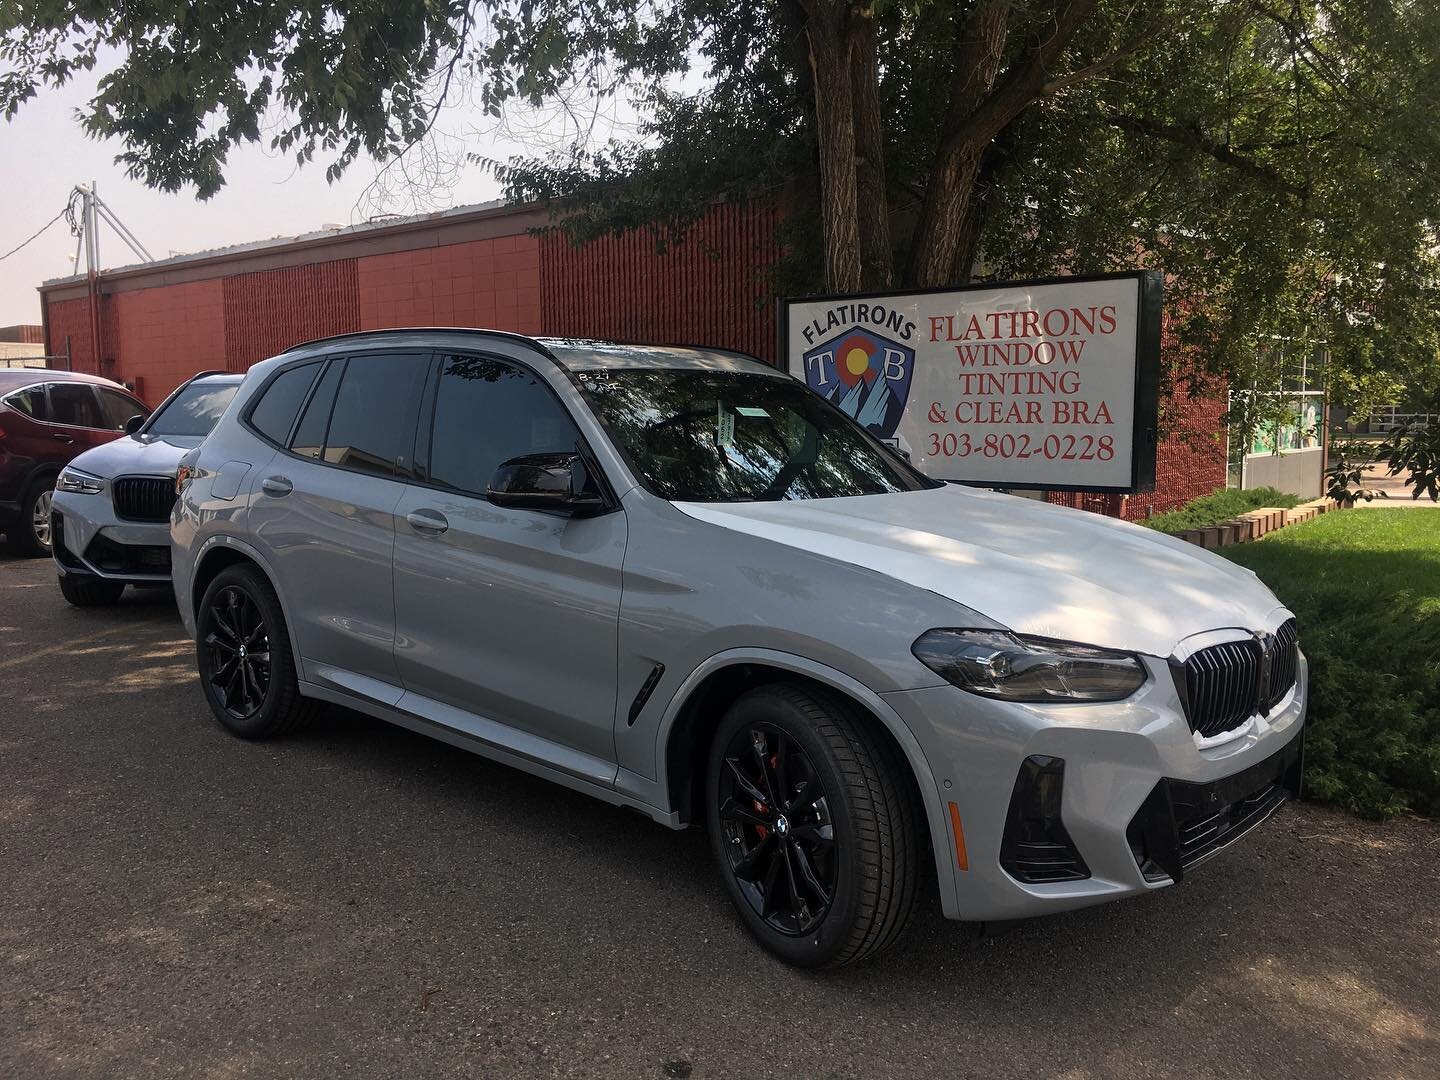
{"type": "Point", "coordinates": [1415, 450]}
{"type": "Point", "coordinates": [1365, 588]}
{"type": "Point", "coordinates": [1220, 505]}
{"type": "Point", "coordinates": [1345, 475]}
{"type": "Point", "coordinates": [1276, 160]}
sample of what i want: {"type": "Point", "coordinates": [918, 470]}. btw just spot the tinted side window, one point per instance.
{"type": "Point", "coordinates": [278, 406]}
{"type": "Point", "coordinates": [309, 438]}
{"type": "Point", "coordinates": [74, 404]}
{"type": "Point", "coordinates": [372, 425]}
{"type": "Point", "coordinates": [30, 402]}
{"type": "Point", "coordinates": [116, 408]}
{"type": "Point", "coordinates": [487, 412]}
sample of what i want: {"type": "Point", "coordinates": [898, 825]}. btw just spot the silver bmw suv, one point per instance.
{"type": "Point", "coordinates": [679, 581]}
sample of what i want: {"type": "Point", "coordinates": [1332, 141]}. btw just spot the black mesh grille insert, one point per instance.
{"type": "Point", "coordinates": [1222, 685]}
{"type": "Point", "coordinates": [143, 498]}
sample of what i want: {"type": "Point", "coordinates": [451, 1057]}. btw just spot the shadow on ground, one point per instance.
{"type": "Point", "coordinates": [359, 898]}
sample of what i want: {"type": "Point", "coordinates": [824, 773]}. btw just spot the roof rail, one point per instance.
{"type": "Point", "coordinates": [384, 331]}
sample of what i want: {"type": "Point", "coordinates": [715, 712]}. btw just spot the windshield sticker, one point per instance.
{"type": "Point", "coordinates": [724, 426]}
{"type": "Point", "coordinates": [751, 410]}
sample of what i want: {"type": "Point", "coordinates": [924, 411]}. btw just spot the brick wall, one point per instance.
{"type": "Point", "coordinates": [487, 283]}
{"type": "Point", "coordinates": [71, 318]}
{"type": "Point", "coordinates": [269, 311]}
{"type": "Point", "coordinates": [23, 332]}
{"type": "Point", "coordinates": [708, 290]}
{"type": "Point", "coordinates": [159, 337]}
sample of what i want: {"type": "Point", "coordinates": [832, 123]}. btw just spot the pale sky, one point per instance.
{"type": "Point", "coordinates": [44, 153]}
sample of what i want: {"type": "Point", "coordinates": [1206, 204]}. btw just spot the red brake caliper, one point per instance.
{"type": "Point", "coordinates": [761, 830]}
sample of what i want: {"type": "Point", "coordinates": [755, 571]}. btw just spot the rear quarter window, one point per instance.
{"type": "Point", "coordinates": [274, 414]}
{"type": "Point", "coordinates": [31, 402]}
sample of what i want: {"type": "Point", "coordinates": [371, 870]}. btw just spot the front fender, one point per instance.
{"type": "Point", "coordinates": [935, 818]}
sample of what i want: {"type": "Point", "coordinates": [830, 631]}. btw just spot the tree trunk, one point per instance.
{"type": "Point", "coordinates": [876, 256]}
{"type": "Point", "coordinates": [828, 28]}
{"type": "Point", "coordinates": [938, 230]}
{"type": "Point", "coordinates": [982, 104]}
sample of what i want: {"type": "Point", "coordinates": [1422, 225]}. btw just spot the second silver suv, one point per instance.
{"type": "Point", "coordinates": [680, 581]}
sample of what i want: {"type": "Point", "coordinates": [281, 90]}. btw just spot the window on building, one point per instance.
{"type": "Point", "coordinates": [372, 424]}
{"type": "Point", "coordinates": [487, 412]}
{"type": "Point", "coordinates": [274, 414]}
{"type": "Point", "coordinates": [74, 404]}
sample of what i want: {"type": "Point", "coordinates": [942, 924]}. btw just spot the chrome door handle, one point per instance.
{"type": "Point", "coordinates": [427, 521]}
{"type": "Point", "coordinates": [277, 486]}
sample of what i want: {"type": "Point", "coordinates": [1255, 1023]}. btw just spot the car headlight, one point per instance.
{"type": "Point", "coordinates": [82, 483]}
{"type": "Point", "coordinates": [1003, 665]}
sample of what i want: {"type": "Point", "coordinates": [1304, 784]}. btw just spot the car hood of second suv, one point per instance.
{"type": "Point", "coordinates": [144, 455]}
{"type": "Point", "coordinates": [1034, 568]}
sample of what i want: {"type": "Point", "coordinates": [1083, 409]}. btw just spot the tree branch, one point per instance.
{"type": "Point", "coordinates": [1193, 138]}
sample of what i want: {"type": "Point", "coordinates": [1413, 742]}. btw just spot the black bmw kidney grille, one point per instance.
{"type": "Point", "coordinates": [1284, 664]}
{"type": "Point", "coordinates": [1227, 684]}
{"type": "Point", "coordinates": [1222, 686]}
{"type": "Point", "coordinates": [143, 498]}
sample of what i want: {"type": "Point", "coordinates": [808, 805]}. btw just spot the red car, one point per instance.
{"type": "Point", "coordinates": [46, 418]}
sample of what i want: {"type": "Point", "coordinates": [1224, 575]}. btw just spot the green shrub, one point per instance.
{"type": "Point", "coordinates": [1220, 505]}
{"type": "Point", "coordinates": [1365, 589]}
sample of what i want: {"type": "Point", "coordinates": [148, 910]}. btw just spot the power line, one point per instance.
{"type": "Point", "coordinates": [33, 235]}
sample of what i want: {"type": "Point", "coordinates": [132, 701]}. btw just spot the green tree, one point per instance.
{"type": "Point", "coordinates": [1276, 159]}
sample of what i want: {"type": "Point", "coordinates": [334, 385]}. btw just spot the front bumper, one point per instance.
{"type": "Point", "coordinates": [1142, 799]}
{"type": "Point", "coordinates": [92, 541]}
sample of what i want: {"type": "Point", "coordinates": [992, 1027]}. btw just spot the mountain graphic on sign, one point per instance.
{"type": "Point", "coordinates": [864, 375]}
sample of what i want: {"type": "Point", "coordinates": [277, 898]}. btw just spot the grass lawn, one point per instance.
{"type": "Point", "coordinates": [1365, 587]}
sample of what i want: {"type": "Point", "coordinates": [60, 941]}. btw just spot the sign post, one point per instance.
{"type": "Point", "coordinates": [1048, 384]}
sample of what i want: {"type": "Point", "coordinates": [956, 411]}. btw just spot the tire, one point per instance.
{"type": "Point", "coordinates": [829, 902]}
{"type": "Point", "coordinates": [29, 536]}
{"type": "Point", "coordinates": [90, 592]}
{"type": "Point", "coordinates": [259, 696]}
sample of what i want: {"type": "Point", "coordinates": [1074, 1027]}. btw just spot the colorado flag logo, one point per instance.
{"type": "Point", "coordinates": [865, 375]}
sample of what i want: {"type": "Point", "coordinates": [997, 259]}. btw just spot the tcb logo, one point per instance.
{"type": "Point", "coordinates": [865, 375]}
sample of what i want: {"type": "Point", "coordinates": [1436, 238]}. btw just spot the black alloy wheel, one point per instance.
{"type": "Point", "coordinates": [778, 835]}
{"type": "Point", "coordinates": [247, 664]}
{"type": "Point", "coordinates": [238, 644]}
{"type": "Point", "coordinates": [815, 822]}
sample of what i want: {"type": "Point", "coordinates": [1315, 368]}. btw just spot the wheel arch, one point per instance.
{"type": "Point", "coordinates": [697, 706]}
{"type": "Point", "coordinates": [226, 551]}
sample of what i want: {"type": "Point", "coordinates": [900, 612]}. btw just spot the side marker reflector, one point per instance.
{"type": "Point", "coordinates": [961, 859]}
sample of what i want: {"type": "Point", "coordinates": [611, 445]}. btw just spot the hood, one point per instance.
{"type": "Point", "coordinates": [1035, 568]}
{"type": "Point", "coordinates": [150, 455]}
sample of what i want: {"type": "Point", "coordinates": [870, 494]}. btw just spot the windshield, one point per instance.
{"type": "Point", "coordinates": [726, 436]}
{"type": "Point", "coordinates": [194, 410]}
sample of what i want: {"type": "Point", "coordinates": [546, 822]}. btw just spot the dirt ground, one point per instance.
{"type": "Point", "coordinates": [360, 901]}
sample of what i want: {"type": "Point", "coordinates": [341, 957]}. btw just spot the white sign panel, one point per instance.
{"type": "Point", "coordinates": [1031, 385]}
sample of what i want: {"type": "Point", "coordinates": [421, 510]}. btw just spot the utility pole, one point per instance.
{"type": "Point", "coordinates": [87, 227]}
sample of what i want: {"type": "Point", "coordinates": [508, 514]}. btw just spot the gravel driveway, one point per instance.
{"type": "Point", "coordinates": [362, 901]}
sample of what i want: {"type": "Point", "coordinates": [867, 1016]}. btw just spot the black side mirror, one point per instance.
{"type": "Point", "coordinates": [134, 424]}
{"type": "Point", "coordinates": [557, 483]}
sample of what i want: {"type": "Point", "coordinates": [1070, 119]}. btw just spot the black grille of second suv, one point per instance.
{"type": "Point", "coordinates": [1227, 684]}
{"type": "Point", "coordinates": [143, 498]}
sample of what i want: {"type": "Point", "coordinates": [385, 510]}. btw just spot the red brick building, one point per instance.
{"type": "Point", "coordinates": [153, 325]}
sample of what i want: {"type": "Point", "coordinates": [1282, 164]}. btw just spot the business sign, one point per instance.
{"type": "Point", "coordinates": [1042, 384]}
